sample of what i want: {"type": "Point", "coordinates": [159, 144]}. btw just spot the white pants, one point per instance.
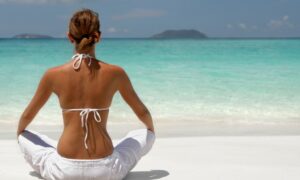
{"type": "Point", "coordinates": [40, 152]}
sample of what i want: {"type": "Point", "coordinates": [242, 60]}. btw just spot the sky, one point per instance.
{"type": "Point", "coordinates": [143, 18]}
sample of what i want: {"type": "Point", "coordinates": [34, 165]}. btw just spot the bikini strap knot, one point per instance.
{"type": "Point", "coordinates": [84, 114]}
{"type": "Point", "coordinates": [78, 59]}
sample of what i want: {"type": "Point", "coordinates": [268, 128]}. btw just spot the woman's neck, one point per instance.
{"type": "Point", "coordinates": [91, 52]}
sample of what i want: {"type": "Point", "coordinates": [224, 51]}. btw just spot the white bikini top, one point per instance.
{"type": "Point", "coordinates": [84, 112]}
{"type": "Point", "coordinates": [78, 59]}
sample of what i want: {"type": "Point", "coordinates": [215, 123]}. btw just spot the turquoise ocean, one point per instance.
{"type": "Point", "coordinates": [215, 80]}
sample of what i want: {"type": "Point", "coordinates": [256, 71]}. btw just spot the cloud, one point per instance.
{"type": "Point", "coordinates": [38, 1]}
{"type": "Point", "coordinates": [229, 26]}
{"type": "Point", "coordinates": [254, 27]}
{"type": "Point", "coordinates": [111, 30]}
{"type": "Point", "coordinates": [139, 13]}
{"type": "Point", "coordinates": [283, 22]}
{"type": "Point", "coordinates": [242, 26]}
{"type": "Point", "coordinates": [115, 30]}
{"type": "Point", "coordinates": [280, 23]}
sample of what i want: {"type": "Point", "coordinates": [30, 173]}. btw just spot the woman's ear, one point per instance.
{"type": "Point", "coordinates": [97, 36]}
{"type": "Point", "coordinates": [70, 38]}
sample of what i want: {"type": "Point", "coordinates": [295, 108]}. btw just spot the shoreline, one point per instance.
{"type": "Point", "coordinates": [174, 129]}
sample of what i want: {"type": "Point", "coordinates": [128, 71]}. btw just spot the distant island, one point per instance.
{"type": "Point", "coordinates": [180, 34]}
{"type": "Point", "coordinates": [31, 36]}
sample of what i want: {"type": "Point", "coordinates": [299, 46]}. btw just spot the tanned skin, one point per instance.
{"type": "Point", "coordinates": [89, 87]}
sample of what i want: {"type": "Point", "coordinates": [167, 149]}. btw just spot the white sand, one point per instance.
{"type": "Point", "coordinates": [199, 158]}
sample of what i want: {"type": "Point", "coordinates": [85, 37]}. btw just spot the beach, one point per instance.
{"type": "Point", "coordinates": [222, 109]}
{"type": "Point", "coordinates": [194, 152]}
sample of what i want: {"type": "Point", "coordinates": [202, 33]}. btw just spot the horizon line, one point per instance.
{"type": "Point", "coordinates": [207, 38]}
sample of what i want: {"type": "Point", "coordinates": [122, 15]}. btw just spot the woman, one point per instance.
{"type": "Point", "coordinates": [85, 87]}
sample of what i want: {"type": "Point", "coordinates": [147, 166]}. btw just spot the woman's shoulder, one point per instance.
{"type": "Point", "coordinates": [55, 69]}
{"type": "Point", "coordinates": [59, 68]}
{"type": "Point", "coordinates": [51, 72]}
{"type": "Point", "coordinates": [118, 73]}
{"type": "Point", "coordinates": [116, 69]}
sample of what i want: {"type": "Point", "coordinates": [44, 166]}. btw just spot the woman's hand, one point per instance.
{"type": "Point", "coordinates": [151, 129]}
{"type": "Point", "coordinates": [19, 132]}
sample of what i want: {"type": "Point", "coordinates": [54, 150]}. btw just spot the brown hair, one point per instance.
{"type": "Point", "coordinates": [82, 27]}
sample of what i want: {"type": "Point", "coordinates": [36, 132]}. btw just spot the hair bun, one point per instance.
{"type": "Point", "coordinates": [82, 26]}
{"type": "Point", "coordinates": [85, 36]}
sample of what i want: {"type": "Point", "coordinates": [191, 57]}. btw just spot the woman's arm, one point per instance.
{"type": "Point", "coordinates": [41, 96]}
{"type": "Point", "coordinates": [129, 95]}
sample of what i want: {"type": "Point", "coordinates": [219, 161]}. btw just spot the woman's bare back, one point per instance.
{"type": "Point", "coordinates": [88, 87]}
